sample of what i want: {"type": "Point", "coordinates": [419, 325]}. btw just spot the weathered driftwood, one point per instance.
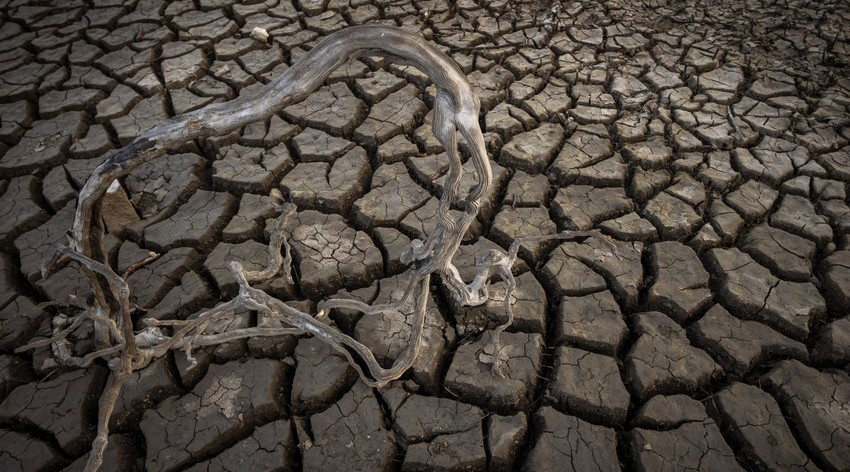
{"type": "Point", "coordinates": [456, 109]}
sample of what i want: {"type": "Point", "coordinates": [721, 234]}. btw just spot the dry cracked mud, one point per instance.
{"type": "Point", "coordinates": [708, 330]}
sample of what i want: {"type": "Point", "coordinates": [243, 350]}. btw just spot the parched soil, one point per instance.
{"type": "Point", "coordinates": [710, 330]}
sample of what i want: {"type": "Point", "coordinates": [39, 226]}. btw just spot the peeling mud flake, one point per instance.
{"type": "Point", "coordinates": [593, 322]}
{"type": "Point", "coordinates": [756, 424]}
{"type": "Point", "coordinates": [60, 405]}
{"type": "Point", "coordinates": [196, 223]}
{"type": "Point", "coordinates": [739, 345]}
{"type": "Point", "coordinates": [331, 254]}
{"type": "Point", "coordinates": [322, 375]}
{"type": "Point", "coordinates": [691, 446]}
{"type": "Point", "coordinates": [229, 401]}
{"type": "Point", "coordinates": [589, 385]}
{"type": "Point", "coordinates": [22, 453]}
{"type": "Point", "coordinates": [566, 443]}
{"type": "Point", "coordinates": [681, 283]}
{"type": "Point", "coordinates": [475, 382]}
{"type": "Point", "coordinates": [459, 451]}
{"type": "Point", "coordinates": [750, 291]}
{"type": "Point", "coordinates": [270, 447]}
{"type": "Point", "coordinates": [505, 435]}
{"type": "Point", "coordinates": [818, 403]}
{"type": "Point", "coordinates": [662, 360]}
{"type": "Point", "coordinates": [349, 436]}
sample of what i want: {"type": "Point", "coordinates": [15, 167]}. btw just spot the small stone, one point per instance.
{"type": "Point", "coordinates": [260, 35]}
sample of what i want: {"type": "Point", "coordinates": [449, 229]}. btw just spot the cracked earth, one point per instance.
{"type": "Point", "coordinates": [709, 330]}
